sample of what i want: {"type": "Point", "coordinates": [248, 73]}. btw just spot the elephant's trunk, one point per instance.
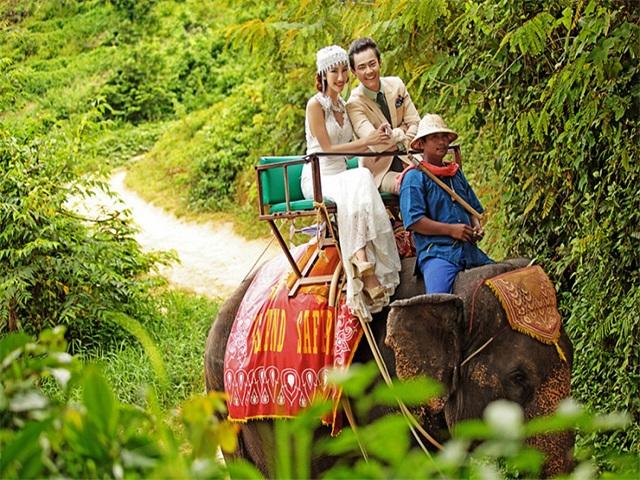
{"type": "Point", "coordinates": [557, 447]}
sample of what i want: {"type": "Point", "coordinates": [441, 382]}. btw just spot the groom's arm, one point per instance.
{"type": "Point", "coordinates": [363, 126]}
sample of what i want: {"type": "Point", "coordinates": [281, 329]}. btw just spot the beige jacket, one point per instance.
{"type": "Point", "coordinates": [366, 116]}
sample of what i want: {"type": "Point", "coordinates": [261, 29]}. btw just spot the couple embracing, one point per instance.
{"type": "Point", "coordinates": [379, 117]}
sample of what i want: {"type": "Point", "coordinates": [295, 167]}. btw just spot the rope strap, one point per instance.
{"type": "Point", "coordinates": [414, 425]}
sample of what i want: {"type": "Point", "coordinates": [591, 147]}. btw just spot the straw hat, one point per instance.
{"type": "Point", "coordinates": [331, 56]}
{"type": "Point", "coordinates": [432, 123]}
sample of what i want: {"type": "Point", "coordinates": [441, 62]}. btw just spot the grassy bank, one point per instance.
{"type": "Point", "coordinates": [179, 332]}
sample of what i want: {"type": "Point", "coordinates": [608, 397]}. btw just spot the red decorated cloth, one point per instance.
{"type": "Point", "coordinates": [404, 241]}
{"type": "Point", "coordinates": [281, 348]}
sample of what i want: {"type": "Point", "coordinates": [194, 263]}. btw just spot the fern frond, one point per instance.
{"type": "Point", "coordinates": [548, 204]}
{"type": "Point", "coordinates": [532, 36]}
{"type": "Point", "coordinates": [528, 182]}
{"type": "Point", "coordinates": [533, 202]}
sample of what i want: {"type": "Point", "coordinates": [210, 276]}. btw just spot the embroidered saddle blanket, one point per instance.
{"type": "Point", "coordinates": [281, 348]}
{"type": "Point", "coordinates": [529, 300]}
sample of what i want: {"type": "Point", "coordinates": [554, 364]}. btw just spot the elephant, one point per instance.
{"type": "Point", "coordinates": [429, 335]}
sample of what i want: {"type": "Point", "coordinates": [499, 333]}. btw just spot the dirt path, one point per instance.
{"type": "Point", "coordinates": [213, 260]}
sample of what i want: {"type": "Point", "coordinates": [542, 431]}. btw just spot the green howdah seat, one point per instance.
{"type": "Point", "coordinates": [272, 185]}
{"type": "Point", "coordinates": [280, 198]}
{"type": "Point", "coordinates": [272, 181]}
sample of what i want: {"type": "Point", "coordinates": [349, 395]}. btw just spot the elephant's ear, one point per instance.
{"type": "Point", "coordinates": [425, 334]}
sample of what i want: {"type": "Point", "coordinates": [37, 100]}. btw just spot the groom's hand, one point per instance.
{"type": "Point", "coordinates": [398, 136]}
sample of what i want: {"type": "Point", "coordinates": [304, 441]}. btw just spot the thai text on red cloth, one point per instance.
{"type": "Point", "coordinates": [281, 348]}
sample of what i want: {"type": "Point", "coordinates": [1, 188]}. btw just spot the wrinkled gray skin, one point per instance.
{"type": "Point", "coordinates": [430, 335]}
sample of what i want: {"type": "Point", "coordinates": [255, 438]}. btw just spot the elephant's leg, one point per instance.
{"type": "Point", "coordinates": [425, 335]}
{"type": "Point", "coordinates": [256, 443]}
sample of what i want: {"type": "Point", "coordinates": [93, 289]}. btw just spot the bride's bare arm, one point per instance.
{"type": "Point", "coordinates": [315, 114]}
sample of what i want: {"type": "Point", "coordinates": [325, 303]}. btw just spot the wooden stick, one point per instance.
{"type": "Point", "coordinates": [454, 196]}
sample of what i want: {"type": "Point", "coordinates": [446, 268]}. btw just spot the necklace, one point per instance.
{"type": "Point", "coordinates": [337, 108]}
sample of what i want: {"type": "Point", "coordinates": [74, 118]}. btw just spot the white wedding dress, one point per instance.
{"type": "Point", "coordinates": [362, 217]}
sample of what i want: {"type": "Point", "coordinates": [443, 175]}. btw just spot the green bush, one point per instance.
{"type": "Point", "coordinates": [134, 10]}
{"type": "Point", "coordinates": [225, 146]}
{"type": "Point", "coordinates": [200, 72]}
{"type": "Point", "coordinates": [58, 268]}
{"type": "Point", "coordinates": [166, 77]}
{"type": "Point", "coordinates": [558, 87]}
{"type": "Point", "coordinates": [95, 436]}
{"type": "Point", "coordinates": [178, 331]}
{"type": "Point", "coordinates": [84, 431]}
{"type": "Point", "coordinates": [114, 146]}
{"type": "Point", "coordinates": [138, 90]}
{"type": "Point", "coordinates": [244, 126]}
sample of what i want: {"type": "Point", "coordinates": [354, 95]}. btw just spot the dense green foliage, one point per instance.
{"type": "Point", "coordinates": [544, 93]}
{"type": "Point", "coordinates": [85, 432]}
{"type": "Point", "coordinates": [177, 331]}
{"type": "Point", "coordinates": [59, 267]}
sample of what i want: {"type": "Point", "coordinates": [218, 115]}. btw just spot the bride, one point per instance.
{"type": "Point", "coordinates": [370, 258]}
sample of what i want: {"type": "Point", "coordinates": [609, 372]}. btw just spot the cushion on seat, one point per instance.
{"type": "Point", "coordinates": [296, 205]}
{"type": "Point", "coordinates": [352, 162]}
{"type": "Point", "coordinates": [388, 197]}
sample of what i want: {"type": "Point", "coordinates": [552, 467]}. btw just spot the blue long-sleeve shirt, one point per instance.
{"type": "Point", "coordinates": [421, 197]}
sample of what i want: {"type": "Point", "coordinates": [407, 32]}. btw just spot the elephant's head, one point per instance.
{"type": "Point", "coordinates": [432, 335]}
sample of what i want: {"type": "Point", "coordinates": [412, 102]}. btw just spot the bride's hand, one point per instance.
{"type": "Point", "coordinates": [380, 135]}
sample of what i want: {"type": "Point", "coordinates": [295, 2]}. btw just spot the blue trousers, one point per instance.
{"type": "Point", "coordinates": [438, 275]}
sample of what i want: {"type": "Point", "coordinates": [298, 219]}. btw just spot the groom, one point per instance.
{"type": "Point", "coordinates": [375, 101]}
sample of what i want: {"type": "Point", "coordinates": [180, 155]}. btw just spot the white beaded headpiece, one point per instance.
{"type": "Point", "coordinates": [331, 56]}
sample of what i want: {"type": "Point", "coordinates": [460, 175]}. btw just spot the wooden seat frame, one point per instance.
{"type": "Point", "coordinates": [303, 277]}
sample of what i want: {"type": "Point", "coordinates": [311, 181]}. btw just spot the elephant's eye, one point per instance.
{"type": "Point", "coordinates": [519, 387]}
{"type": "Point", "coordinates": [518, 376]}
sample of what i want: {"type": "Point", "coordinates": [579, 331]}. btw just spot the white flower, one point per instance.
{"type": "Point", "coordinates": [454, 452]}
{"type": "Point", "coordinates": [28, 401]}
{"type": "Point", "coordinates": [62, 357]}
{"type": "Point", "coordinates": [569, 407]}
{"type": "Point", "coordinates": [62, 375]}
{"type": "Point", "coordinates": [505, 418]}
